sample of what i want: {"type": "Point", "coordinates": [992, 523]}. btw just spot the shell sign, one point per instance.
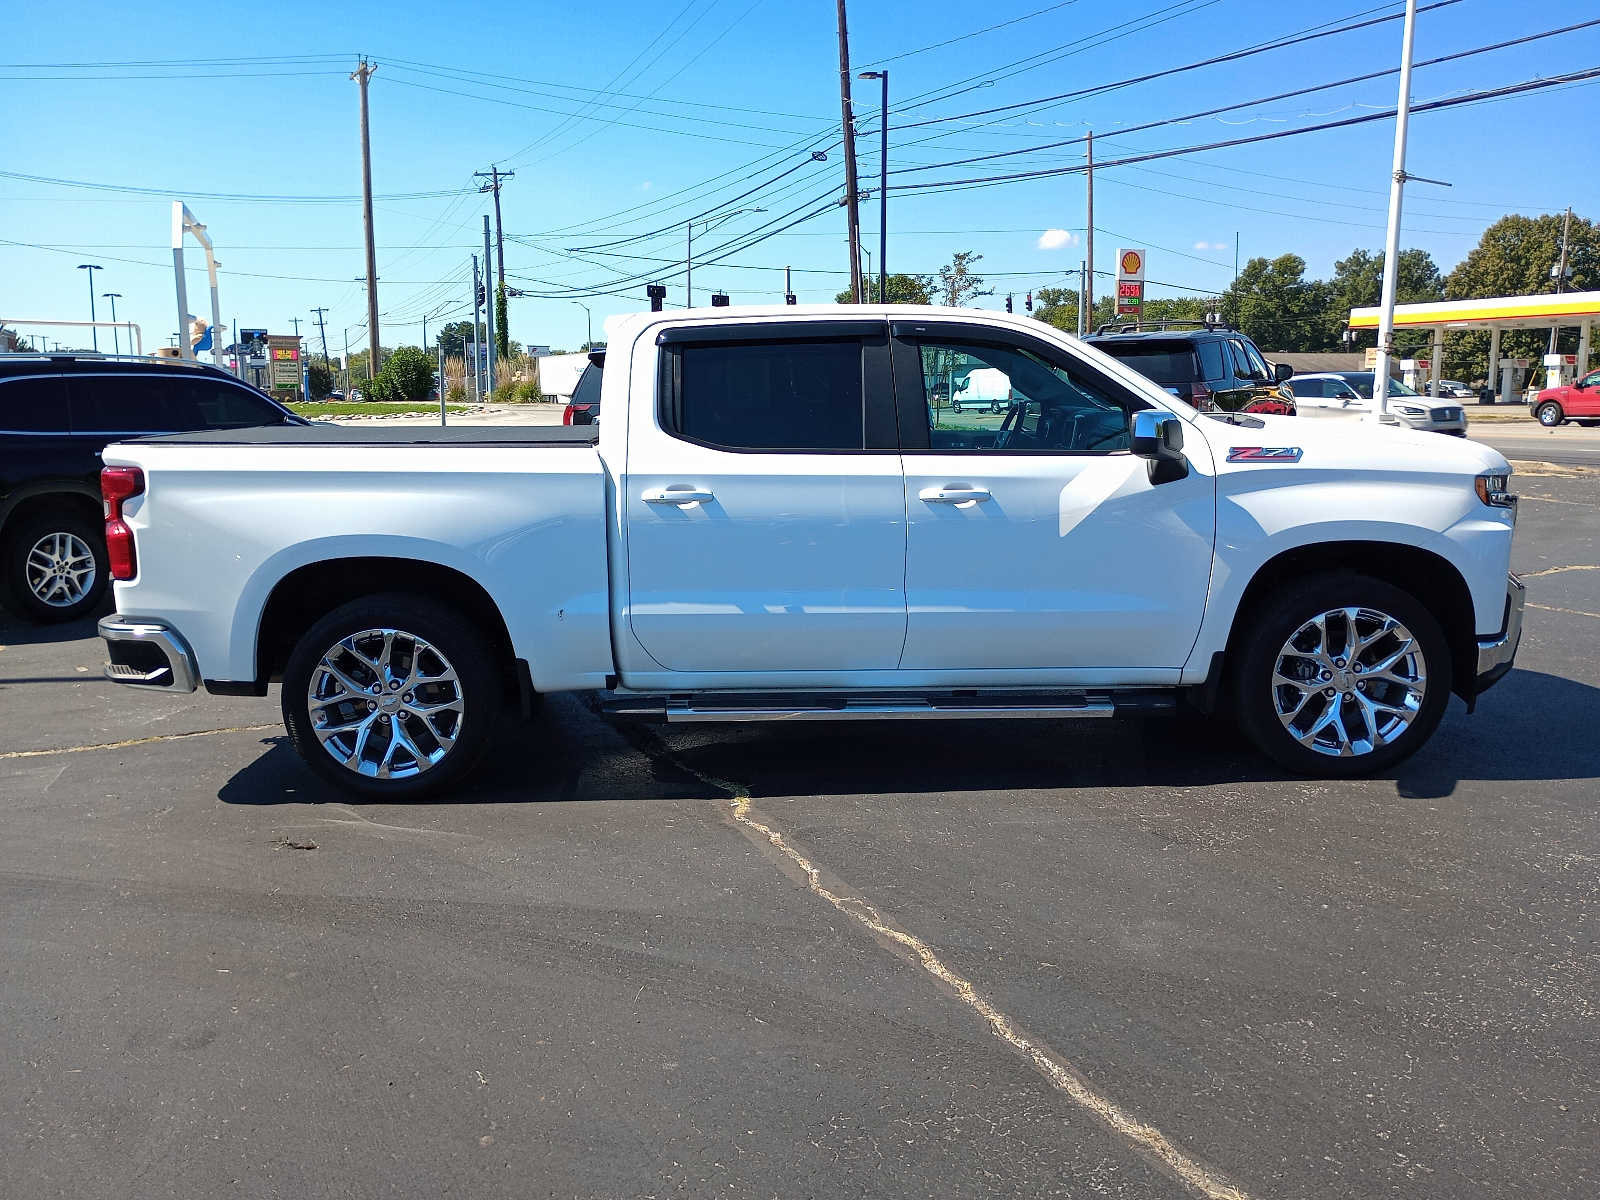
{"type": "Point", "coordinates": [1130, 282]}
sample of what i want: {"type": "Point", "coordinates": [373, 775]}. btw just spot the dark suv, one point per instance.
{"type": "Point", "coordinates": [57, 413]}
{"type": "Point", "coordinates": [1209, 366]}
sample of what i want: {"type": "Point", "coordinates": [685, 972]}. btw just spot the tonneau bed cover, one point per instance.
{"type": "Point", "coordinates": [388, 435]}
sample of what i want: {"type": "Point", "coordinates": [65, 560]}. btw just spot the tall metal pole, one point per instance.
{"type": "Point", "coordinates": [1083, 315]}
{"type": "Point", "coordinates": [883, 194]}
{"type": "Point", "coordinates": [362, 75]}
{"type": "Point", "coordinates": [1391, 245]}
{"type": "Point", "coordinates": [1561, 273]}
{"type": "Point", "coordinates": [1087, 296]}
{"type": "Point", "coordinates": [116, 342]}
{"type": "Point", "coordinates": [347, 362]}
{"type": "Point", "coordinates": [93, 329]}
{"type": "Point", "coordinates": [852, 191]}
{"type": "Point", "coordinates": [688, 269]}
{"type": "Point", "coordinates": [477, 373]}
{"type": "Point", "coordinates": [588, 324]}
{"type": "Point", "coordinates": [488, 324]}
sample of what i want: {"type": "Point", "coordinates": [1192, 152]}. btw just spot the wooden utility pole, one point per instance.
{"type": "Point", "coordinates": [852, 191]}
{"type": "Point", "coordinates": [494, 175]}
{"type": "Point", "coordinates": [1088, 238]}
{"type": "Point", "coordinates": [362, 75]}
{"type": "Point", "coordinates": [323, 328]}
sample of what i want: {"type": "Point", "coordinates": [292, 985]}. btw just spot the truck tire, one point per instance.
{"type": "Point", "coordinates": [1341, 675]}
{"type": "Point", "coordinates": [53, 565]}
{"type": "Point", "coordinates": [392, 696]}
{"type": "Point", "coordinates": [1549, 414]}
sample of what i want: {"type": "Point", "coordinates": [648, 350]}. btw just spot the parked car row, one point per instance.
{"type": "Point", "coordinates": [1352, 392]}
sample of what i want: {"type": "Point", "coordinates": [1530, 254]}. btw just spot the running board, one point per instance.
{"type": "Point", "coordinates": [753, 708]}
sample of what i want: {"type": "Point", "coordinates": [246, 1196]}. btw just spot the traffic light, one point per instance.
{"type": "Point", "coordinates": [719, 300]}
{"type": "Point", "coordinates": [658, 295]}
{"type": "Point", "coordinates": [790, 298]}
{"type": "Point", "coordinates": [1030, 301]}
{"type": "Point", "coordinates": [482, 297]}
{"type": "Point", "coordinates": [1008, 301]}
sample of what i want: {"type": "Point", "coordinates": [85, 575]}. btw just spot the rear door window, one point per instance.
{"type": "Point", "coordinates": [771, 396]}
{"type": "Point", "coordinates": [1170, 364]}
{"type": "Point", "coordinates": [135, 404]}
{"type": "Point", "coordinates": [1211, 360]}
{"type": "Point", "coordinates": [33, 406]}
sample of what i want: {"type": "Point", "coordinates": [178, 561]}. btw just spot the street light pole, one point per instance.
{"type": "Point", "coordinates": [588, 325]}
{"type": "Point", "coordinates": [116, 342]}
{"type": "Point", "coordinates": [1391, 246]}
{"type": "Point", "coordinates": [883, 185]}
{"type": "Point", "coordinates": [94, 330]}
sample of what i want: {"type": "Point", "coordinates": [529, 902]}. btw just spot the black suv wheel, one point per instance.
{"type": "Point", "coordinates": [53, 564]}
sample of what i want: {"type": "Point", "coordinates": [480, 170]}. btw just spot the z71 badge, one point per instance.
{"type": "Point", "coordinates": [1264, 453]}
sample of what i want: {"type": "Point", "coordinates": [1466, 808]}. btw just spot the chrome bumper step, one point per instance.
{"type": "Point", "coordinates": [705, 709]}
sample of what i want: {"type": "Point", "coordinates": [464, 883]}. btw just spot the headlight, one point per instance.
{"type": "Point", "coordinates": [1493, 489]}
{"type": "Point", "coordinates": [1411, 410]}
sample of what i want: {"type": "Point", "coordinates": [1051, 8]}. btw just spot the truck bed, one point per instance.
{"type": "Point", "coordinates": [388, 435]}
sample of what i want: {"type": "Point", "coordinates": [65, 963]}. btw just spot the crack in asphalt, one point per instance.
{"type": "Point", "coordinates": [1556, 571]}
{"type": "Point", "coordinates": [1141, 1135]}
{"type": "Point", "coordinates": [1571, 612]}
{"type": "Point", "coordinates": [142, 741]}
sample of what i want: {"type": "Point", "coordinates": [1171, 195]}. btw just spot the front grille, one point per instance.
{"type": "Point", "coordinates": [1447, 414]}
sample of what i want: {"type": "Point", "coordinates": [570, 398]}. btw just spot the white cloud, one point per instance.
{"type": "Point", "coordinates": [646, 186]}
{"type": "Point", "coordinates": [1210, 245]}
{"type": "Point", "coordinates": [1056, 239]}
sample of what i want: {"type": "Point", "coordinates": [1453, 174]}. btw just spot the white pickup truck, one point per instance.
{"type": "Point", "coordinates": [776, 521]}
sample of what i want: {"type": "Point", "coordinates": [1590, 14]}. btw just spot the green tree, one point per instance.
{"type": "Point", "coordinates": [1358, 283]}
{"type": "Point", "coordinates": [319, 379]}
{"type": "Point", "coordinates": [453, 337]}
{"type": "Point", "coordinates": [1279, 308]}
{"type": "Point", "coordinates": [1058, 307]}
{"type": "Point", "coordinates": [958, 284]}
{"type": "Point", "coordinates": [902, 289]}
{"type": "Point", "coordinates": [1514, 258]}
{"type": "Point", "coordinates": [502, 323]}
{"type": "Point", "coordinates": [407, 376]}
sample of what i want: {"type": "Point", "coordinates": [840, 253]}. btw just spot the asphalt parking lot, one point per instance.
{"type": "Point", "coordinates": [903, 960]}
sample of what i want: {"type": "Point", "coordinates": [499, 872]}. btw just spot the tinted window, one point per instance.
{"type": "Point", "coordinates": [163, 404]}
{"type": "Point", "coordinates": [587, 389]}
{"type": "Point", "coordinates": [1239, 361]}
{"type": "Point", "coordinates": [33, 406]}
{"type": "Point", "coordinates": [1167, 363]}
{"type": "Point", "coordinates": [1308, 387]}
{"type": "Point", "coordinates": [1013, 401]}
{"type": "Point", "coordinates": [1258, 365]}
{"type": "Point", "coordinates": [790, 395]}
{"type": "Point", "coordinates": [1361, 382]}
{"type": "Point", "coordinates": [1211, 360]}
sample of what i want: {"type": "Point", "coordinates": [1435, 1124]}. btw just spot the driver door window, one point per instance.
{"type": "Point", "coordinates": [1008, 400]}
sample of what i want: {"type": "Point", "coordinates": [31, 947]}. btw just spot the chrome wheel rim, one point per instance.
{"type": "Point", "coordinates": [60, 569]}
{"type": "Point", "coordinates": [1349, 681]}
{"type": "Point", "coordinates": [385, 704]}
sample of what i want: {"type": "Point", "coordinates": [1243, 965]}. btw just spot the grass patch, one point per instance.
{"type": "Point", "coordinates": [360, 408]}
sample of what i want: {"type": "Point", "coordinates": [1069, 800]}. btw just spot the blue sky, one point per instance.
{"type": "Point", "coordinates": [674, 108]}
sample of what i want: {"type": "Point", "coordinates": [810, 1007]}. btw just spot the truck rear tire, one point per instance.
{"type": "Point", "coordinates": [1342, 675]}
{"type": "Point", "coordinates": [393, 696]}
{"type": "Point", "coordinates": [53, 565]}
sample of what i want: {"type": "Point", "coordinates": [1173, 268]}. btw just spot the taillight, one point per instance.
{"type": "Point", "coordinates": [118, 484]}
{"type": "Point", "coordinates": [1200, 397]}
{"type": "Point", "coordinates": [566, 415]}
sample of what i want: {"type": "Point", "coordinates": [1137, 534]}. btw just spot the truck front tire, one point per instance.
{"type": "Point", "coordinates": [1342, 674]}
{"type": "Point", "coordinates": [392, 696]}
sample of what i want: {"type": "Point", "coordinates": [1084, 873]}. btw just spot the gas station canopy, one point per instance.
{"type": "Point", "coordinates": [1566, 309]}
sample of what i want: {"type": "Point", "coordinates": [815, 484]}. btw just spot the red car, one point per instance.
{"type": "Point", "coordinates": [1578, 402]}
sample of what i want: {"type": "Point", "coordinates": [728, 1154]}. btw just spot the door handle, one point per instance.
{"type": "Point", "coordinates": [953, 495]}
{"type": "Point", "coordinates": [677, 494]}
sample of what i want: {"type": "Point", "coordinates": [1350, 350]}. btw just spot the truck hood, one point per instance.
{"type": "Point", "coordinates": [1341, 444]}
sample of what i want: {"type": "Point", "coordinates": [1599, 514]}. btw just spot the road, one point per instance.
{"type": "Point", "coordinates": [1569, 445]}
{"type": "Point", "coordinates": [1037, 960]}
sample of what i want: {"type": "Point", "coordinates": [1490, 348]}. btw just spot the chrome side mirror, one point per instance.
{"type": "Point", "coordinates": [1157, 437]}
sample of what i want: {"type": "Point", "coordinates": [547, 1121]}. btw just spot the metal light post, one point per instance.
{"type": "Point", "coordinates": [92, 268]}
{"type": "Point", "coordinates": [588, 324]}
{"type": "Point", "coordinates": [710, 223]}
{"type": "Point", "coordinates": [1391, 246]}
{"type": "Point", "coordinates": [883, 185]}
{"type": "Point", "coordinates": [116, 342]}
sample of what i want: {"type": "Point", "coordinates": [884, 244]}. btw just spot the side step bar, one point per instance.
{"type": "Point", "coordinates": [741, 709]}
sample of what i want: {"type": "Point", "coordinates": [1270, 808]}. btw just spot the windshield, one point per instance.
{"type": "Point", "coordinates": [587, 389]}
{"type": "Point", "coordinates": [1164, 362]}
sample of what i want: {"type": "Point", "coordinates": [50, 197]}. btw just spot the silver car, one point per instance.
{"type": "Point", "coordinates": [1351, 391]}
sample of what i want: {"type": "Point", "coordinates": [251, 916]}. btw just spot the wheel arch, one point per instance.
{"type": "Point", "coordinates": [1433, 579]}
{"type": "Point", "coordinates": [307, 593]}
{"type": "Point", "coordinates": [42, 494]}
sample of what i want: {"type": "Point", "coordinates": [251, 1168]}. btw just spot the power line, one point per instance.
{"type": "Point", "coordinates": [91, 185]}
{"type": "Point", "coordinates": [1038, 12]}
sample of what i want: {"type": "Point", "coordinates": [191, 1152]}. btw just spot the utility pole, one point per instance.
{"type": "Point", "coordinates": [362, 75]}
{"type": "Point", "coordinates": [321, 313]}
{"type": "Point", "coordinates": [477, 375]}
{"type": "Point", "coordinates": [494, 175]}
{"type": "Point", "coordinates": [347, 361]}
{"type": "Point", "coordinates": [1083, 313]}
{"type": "Point", "coordinates": [1391, 245]}
{"type": "Point", "coordinates": [1087, 296]}
{"type": "Point", "coordinates": [295, 321]}
{"type": "Point", "coordinates": [488, 331]}
{"type": "Point", "coordinates": [852, 194]}
{"type": "Point", "coordinates": [1561, 273]}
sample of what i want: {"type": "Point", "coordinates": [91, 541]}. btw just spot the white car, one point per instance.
{"type": "Point", "coordinates": [1351, 392]}
{"type": "Point", "coordinates": [769, 526]}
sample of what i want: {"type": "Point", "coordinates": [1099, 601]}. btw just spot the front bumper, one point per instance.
{"type": "Point", "coordinates": [148, 654]}
{"type": "Point", "coordinates": [1497, 652]}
